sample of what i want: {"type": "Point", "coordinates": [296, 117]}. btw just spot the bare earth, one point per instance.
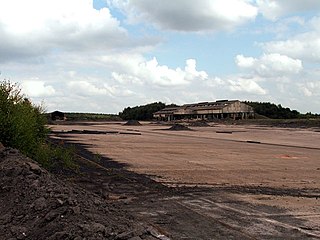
{"type": "Point", "coordinates": [245, 182]}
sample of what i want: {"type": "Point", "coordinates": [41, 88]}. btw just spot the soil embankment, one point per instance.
{"type": "Point", "coordinates": [35, 204]}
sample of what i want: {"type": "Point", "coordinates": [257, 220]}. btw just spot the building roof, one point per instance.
{"type": "Point", "coordinates": [217, 105]}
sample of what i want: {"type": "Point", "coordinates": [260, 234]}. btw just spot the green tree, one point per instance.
{"type": "Point", "coordinates": [274, 111]}
{"type": "Point", "coordinates": [143, 112]}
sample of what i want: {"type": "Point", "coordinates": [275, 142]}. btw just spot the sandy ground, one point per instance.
{"type": "Point", "coordinates": [281, 165]}
{"type": "Point", "coordinates": [212, 155]}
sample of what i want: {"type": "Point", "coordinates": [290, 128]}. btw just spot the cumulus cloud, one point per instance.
{"type": "Point", "coordinates": [186, 16]}
{"type": "Point", "coordinates": [36, 88]}
{"type": "Point", "coordinates": [247, 85]}
{"type": "Point", "coordinates": [274, 9]}
{"type": "Point", "coordinates": [85, 88]}
{"type": "Point", "coordinates": [309, 85]}
{"type": "Point", "coordinates": [270, 65]}
{"type": "Point", "coordinates": [305, 46]}
{"type": "Point", "coordinates": [137, 70]}
{"type": "Point", "coordinates": [37, 27]}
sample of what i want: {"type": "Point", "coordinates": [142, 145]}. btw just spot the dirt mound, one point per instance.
{"type": "Point", "coordinates": [35, 204]}
{"type": "Point", "coordinates": [179, 127]}
{"type": "Point", "coordinates": [199, 124]}
{"type": "Point", "coordinates": [133, 123]}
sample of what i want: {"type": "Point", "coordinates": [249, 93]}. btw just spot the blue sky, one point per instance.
{"type": "Point", "coordinates": [104, 55]}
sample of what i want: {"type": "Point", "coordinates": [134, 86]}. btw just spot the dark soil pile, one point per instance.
{"type": "Point", "coordinates": [35, 204]}
{"type": "Point", "coordinates": [132, 123]}
{"type": "Point", "coordinates": [179, 127]}
{"type": "Point", "coordinates": [199, 124]}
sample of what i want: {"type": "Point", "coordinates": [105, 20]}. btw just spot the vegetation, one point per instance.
{"type": "Point", "coordinates": [263, 109]}
{"type": "Point", "coordinates": [144, 112]}
{"type": "Point", "coordinates": [23, 126]}
{"type": "Point", "coordinates": [273, 111]}
{"type": "Point", "coordinates": [91, 117]}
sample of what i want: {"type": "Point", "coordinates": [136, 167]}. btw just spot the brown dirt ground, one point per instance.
{"type": "Point", "coordinates": [35, 204]}
{"type": "Point", "coordinates": [225, 182]}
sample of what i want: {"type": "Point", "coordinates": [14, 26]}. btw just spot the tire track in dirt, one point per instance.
{"type": "Point", "coordinates": [201, 205]}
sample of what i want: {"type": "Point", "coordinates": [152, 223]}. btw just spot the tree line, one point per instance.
{"type": "Point", "coordinates": [267, 109]}
{"type": "Point", "coordinates": [274, 111]}
{"type": "Point", "coordinates": [143, 112]}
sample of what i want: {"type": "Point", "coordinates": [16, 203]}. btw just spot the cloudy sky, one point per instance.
{"type": "Point", "coordinates": [104, 55]}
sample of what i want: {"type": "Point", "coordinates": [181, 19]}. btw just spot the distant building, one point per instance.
{"type": "Point", "coordinates": [207, 111]}
{"type": "Point", "coordinates": [57, 115]}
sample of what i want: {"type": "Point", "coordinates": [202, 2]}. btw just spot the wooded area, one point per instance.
{"type": "Point", "coordinates": [266, 109]}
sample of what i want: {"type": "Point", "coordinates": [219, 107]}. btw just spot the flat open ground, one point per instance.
{"type": "Point", "coordinates": [260, 182]}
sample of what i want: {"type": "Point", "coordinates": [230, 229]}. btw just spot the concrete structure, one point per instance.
{"type": "Point", "coordinates": [207, 111]}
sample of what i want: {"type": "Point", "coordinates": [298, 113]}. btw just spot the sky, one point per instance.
{"type": "Point", "coordinates": [104, 55]}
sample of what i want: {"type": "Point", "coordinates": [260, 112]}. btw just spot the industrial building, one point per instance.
{"type": "Point", "coordinates": [221, 109]}
{"type": "Point", "coordinates": [57, 115]}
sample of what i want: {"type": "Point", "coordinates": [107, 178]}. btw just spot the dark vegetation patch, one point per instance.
{"type": "Point", "coordinates": [143, 112]}
{"type": "Point", "coordinates": [90, 117]}
{"type": "Point", "coordinates": [273, 111]}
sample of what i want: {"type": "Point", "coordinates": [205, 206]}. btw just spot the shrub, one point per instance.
{"type": "Point", "coordinates": [23, 126]}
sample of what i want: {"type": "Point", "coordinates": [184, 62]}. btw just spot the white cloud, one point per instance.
{"type": "Point", "coordinates": [271, 65]}
{"type": "Point", "coordinates": [135, 69]}
{"type": "Point", "coordinates": [274, 9]}
{"type": "Point", "coordinates": [304, 46]}
{"type": "Point", "coordinates": [247, 85]}
{"type": "Point", "coordinates": [37, 27]}
{"type": "Point", "coordinates": [188, 16]}
{"type": "Point", "coordinates": [85, 88]}
{"type": "Point", "coordinates": [80, 59]}
{"type": "Point", "coordinates": [310, 85]}
{"type": "Point", "coordinates": [36, 88]}
{"type": "Point", "coordinates": [245, 62]}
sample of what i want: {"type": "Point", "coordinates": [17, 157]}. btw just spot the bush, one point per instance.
{"type": "Point", "coordinates": [23, 126]}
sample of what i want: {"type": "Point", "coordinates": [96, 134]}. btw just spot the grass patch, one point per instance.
{"type": "Point", "coordinates": [56, 158]}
